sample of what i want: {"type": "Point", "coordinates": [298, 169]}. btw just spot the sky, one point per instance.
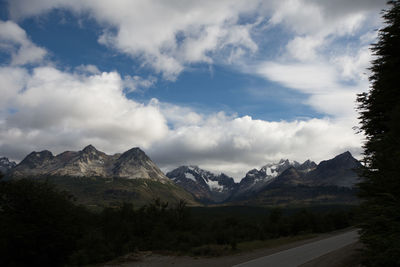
{"type": "Point", "coordinates": [227, 85]}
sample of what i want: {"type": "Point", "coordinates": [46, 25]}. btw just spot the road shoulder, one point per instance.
{"type": "Point", "coordinates": [156, 260]}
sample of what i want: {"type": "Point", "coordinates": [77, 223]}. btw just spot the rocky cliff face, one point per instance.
{"type": "Point", "coordinates": [90, 162]}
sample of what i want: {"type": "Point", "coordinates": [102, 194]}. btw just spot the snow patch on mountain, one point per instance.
{"type": "Point", "coordinates": [214, 185]}
{"type": "Point", "coordinates": [190, 176]}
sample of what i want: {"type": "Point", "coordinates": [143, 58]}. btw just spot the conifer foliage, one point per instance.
{"type": "Point", "coordinates": [380, 119]}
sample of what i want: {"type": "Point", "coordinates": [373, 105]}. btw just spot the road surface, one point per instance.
{"type": "Point", "coordinates": [305, 253]}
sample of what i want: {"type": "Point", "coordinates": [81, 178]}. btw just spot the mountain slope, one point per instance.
{"type": "Point", "coordinates": [203, 185]}
{"type": "Point", "coordinates": [131, 164]}
{"type": "Point", "coordinates": [98, 179]}
{"type": "Point", "coordinates": [6, 165]}
{"type": "Point", "coordinates": [255, 180]}
{"type": "Point", "coordinates": [332, 181]}
{"type": "Point", "coordinates": [339, 171]}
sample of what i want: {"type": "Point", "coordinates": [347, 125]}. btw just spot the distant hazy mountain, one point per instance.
{"type": "Point", "coordinates": [204, 185]}
{"type": "Point", "coordinates": [98, 179]}
{"type": "Point", "coordinates": [6, 165]}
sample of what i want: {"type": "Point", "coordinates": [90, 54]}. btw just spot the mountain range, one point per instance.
{"type": "Point", "coordinates": [95, 177]}
{"type": "Point", "coordinates": [131, 164]}
{"type": "Point", "coordinates": [270, 183]}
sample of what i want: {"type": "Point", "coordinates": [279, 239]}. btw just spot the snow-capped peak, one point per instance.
{"type": "Point", "coordinates": [275, 169]}
{"type": "Point", "coordinates": [207, 179]}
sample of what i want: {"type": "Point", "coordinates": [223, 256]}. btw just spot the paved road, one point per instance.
{"type": "Point", "coordinates": [302, 254]}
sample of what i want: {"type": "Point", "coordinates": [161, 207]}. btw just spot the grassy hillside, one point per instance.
{"type": "Point", "coordinates": [99, 192]}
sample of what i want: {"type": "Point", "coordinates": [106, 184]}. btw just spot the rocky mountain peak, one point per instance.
{"type": "Point", "coordinates": [339, 171]}
{"type": "Point", "coordinates": [274, 169]}
{"type": "Point", "coordinates": [90, 162]}
{"type": "Point", "coordinates": [307, 166]}
{"type": "Point", "coordinates": [344, 156]}
{"type": "Point", "coordinates": [89, 149]}
{"type": "Point", "coordinates": [6, 162]}
{"type": "Point", "coordinates": [37, 158]}
{"type": "Point", "coordinates": [344, 160]}
{"type": "Point", "coordinates": [135, 154]}
{"type": "Point", "coordinates": [6, 165]}
{"type": "Point", "coordinates": [204, 185]}
{"type": "Point", "coordinates": [134, 163]}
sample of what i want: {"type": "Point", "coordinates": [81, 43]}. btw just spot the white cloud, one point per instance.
{"type": "Point", "coordinates": [316, 59]}
{"type": "Point", "coordinates": [59, 110]}
{"type": "Point", "coordinates": [236, 145]}
{"type": "Point", "coordinates": [87, 69]}
{"type": "Point", "coordinates": [324, 17]}
{"type": "Point", "coordinates": [304, 48]}
{"type": "Point", "coordinates": [324, 83]}
{"type": "Point", "coordinates": [12, 81]}
{"type": "Point", "coordinates": [62, 111]}
{"type": "Point", "coordinates": [133, 83]}
{"type": "Point", "coordinates": [13, 39]}
{"type": "Point", "coordinates": [166, 35]}
{"type": "Point", "coordinates": [179, 116]}
{"type": "Point", "coordinates": [354, 67]}
{"type": "Point", "coordinates": [308, 78]}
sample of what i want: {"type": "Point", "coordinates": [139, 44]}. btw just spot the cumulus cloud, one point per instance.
{"type": "Point", "coordinates": [13, 39]}
{"type": "Point", "coordinates": [59, 110]}
{"type": "Point", "coordinates": [169, 35]}
{"type": "Point", "coordinates": [316, 61]}
{"type": "Point", "coordinates": [135, 82]}
{"type": "Point", "coordinates": [312, 17]}
{"type": "Point", "coordinates": [53, 109]}
{"type": "Point", "coordinates": [234, 145]}
{"type": "Point", "coordinates": [166, 35]}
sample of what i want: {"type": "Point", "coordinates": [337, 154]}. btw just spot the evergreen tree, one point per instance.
{"type": "Point", "coordinates": [380, 119]}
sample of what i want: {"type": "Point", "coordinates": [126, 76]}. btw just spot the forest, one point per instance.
{"type": "Point", "coordinates": [41, 225]}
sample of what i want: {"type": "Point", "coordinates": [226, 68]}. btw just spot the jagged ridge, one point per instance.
{"type": "Point", "coordinates": [204, 185]}
{"type": "Point", "coordinates": [88, 162]}
{"type": "Point", "coordinates": [208, 187]}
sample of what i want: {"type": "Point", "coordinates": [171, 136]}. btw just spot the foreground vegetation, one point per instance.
{"type": "Point", "coordinates": [380, 122]}
{"type": "Point", "coordinates": [39, 225]}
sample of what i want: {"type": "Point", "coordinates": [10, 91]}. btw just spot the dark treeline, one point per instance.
{"type": "Point", "coordinates": [379, 110]}
{"type": "Point", "coordinates": [40, 225]}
